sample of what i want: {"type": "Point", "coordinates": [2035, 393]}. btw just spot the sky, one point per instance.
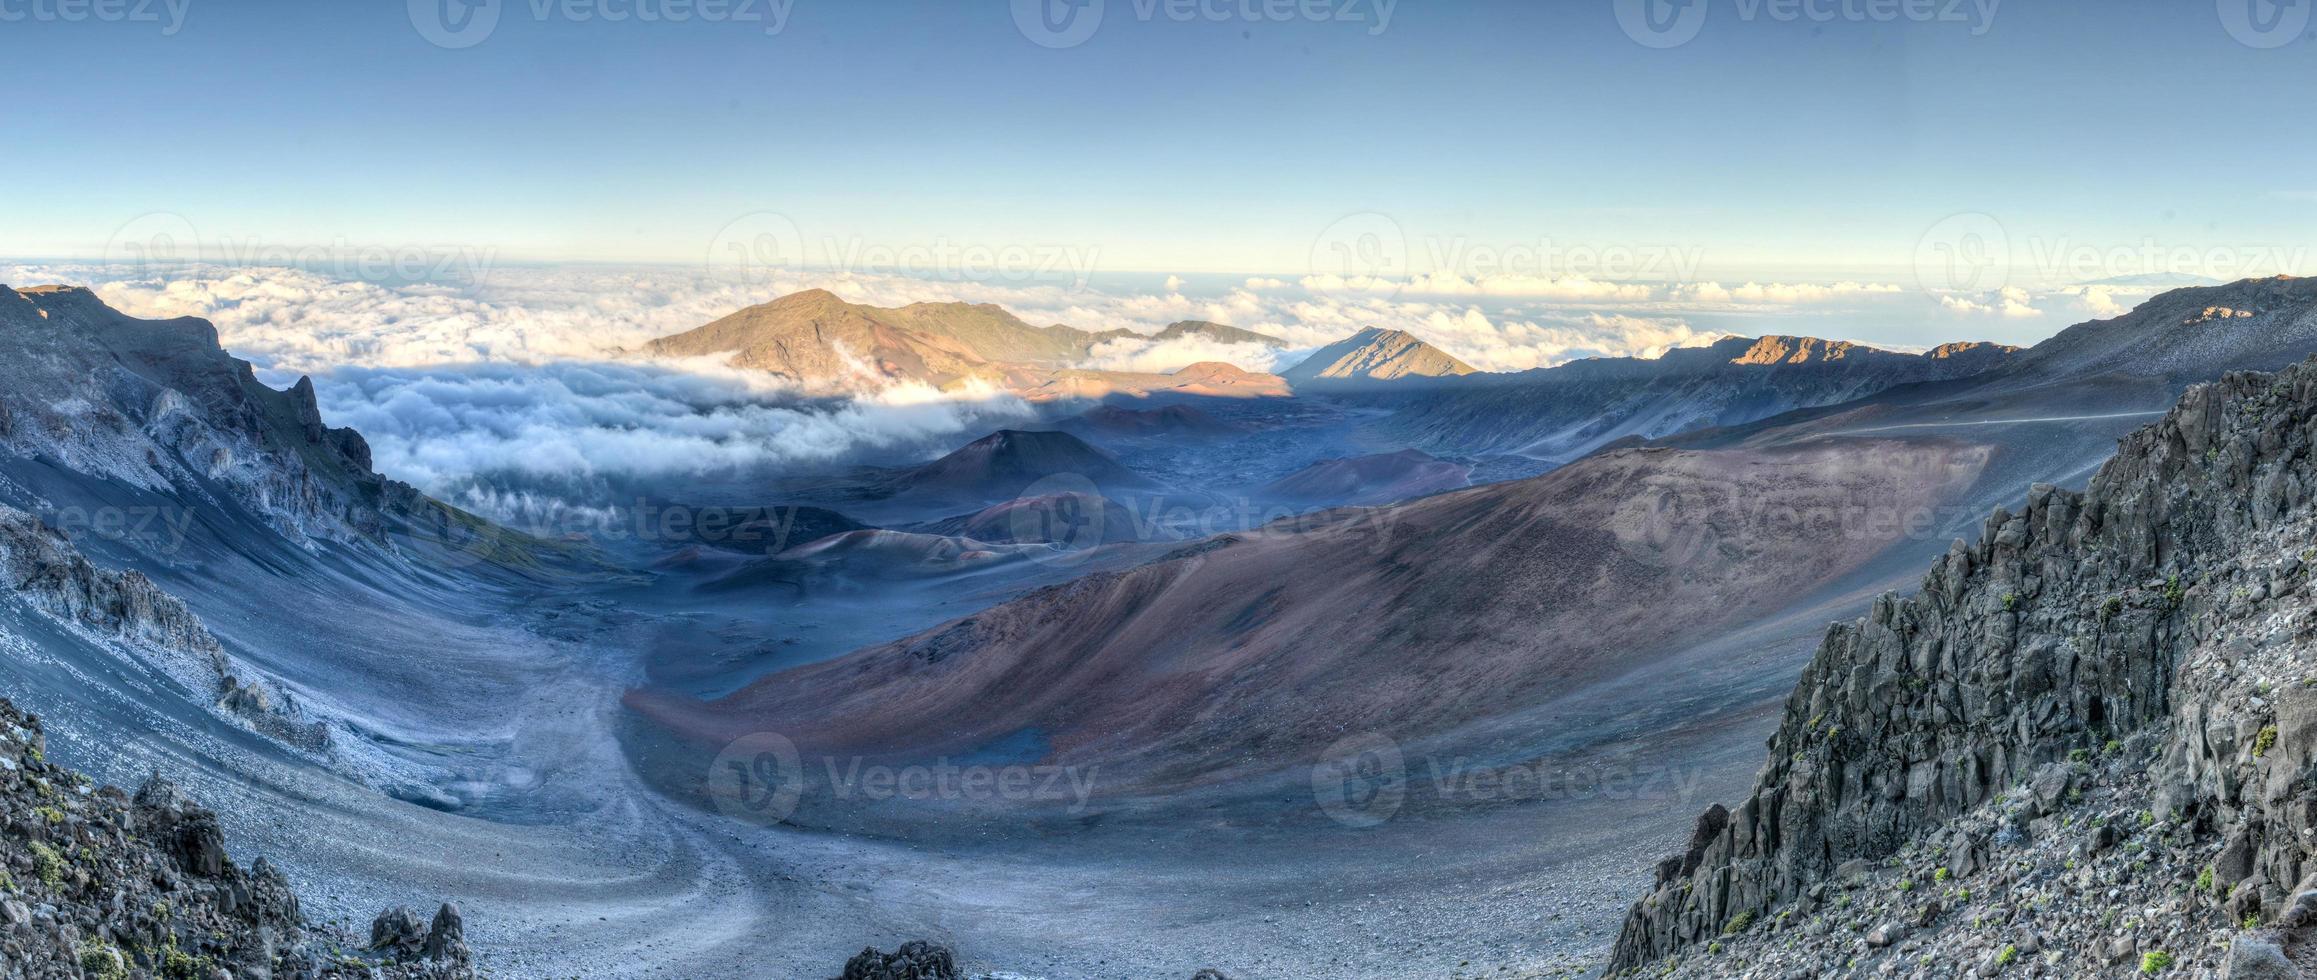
{"type": "Point", "coordinates": [1787, 138]}
{"type": "Point", "coordinates": [430, 204]}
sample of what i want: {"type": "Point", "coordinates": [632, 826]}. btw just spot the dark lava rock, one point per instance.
{"type": "Point", "coordinates": [913, 961]}
{"type": "Point", "coordinates": [95, 883]}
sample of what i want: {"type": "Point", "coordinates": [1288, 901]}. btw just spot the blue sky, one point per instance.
{"type": "Point", "coordinates": [1816, 147]}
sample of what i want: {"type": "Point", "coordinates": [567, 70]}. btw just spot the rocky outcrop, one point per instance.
{"type": "Point", "coordinates": [2144, 641]}
{"type": "Point", "coordinates": [40, 567]}
{"type": "Point", "coordinates": [98, 884]}
{"type": "Point", "coordinates": [913, 961]}
{"type": "Point", "coordinates": [159, 405]}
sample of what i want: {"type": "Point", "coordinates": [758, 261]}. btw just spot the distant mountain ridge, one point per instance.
{"type": "Point", "coordinates": [1374, 355]}
{"type": "Point", "coordinates": [1216, 332]}
{"type": "Point", "coordinates": [1564, 412]}
{"type": "Point", "coordinates": [819, 340]}
{"type": "Point", "coordinates": [826, 344]}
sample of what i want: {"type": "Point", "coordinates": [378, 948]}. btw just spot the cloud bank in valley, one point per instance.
{"type": "Point", "coordinates": [524, 369]}
{"type": "Point", "coordinates": [580, 419]}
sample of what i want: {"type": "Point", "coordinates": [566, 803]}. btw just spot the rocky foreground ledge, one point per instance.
{"type": "Point", "coordinates": [2087, 748]}
{"type": "Point", "coordinates": [96, 884]}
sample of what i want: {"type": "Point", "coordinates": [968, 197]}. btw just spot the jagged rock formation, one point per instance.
{"type": "Point", "coordinates": [40, 567]}
{"type": "Point", "coordinates": [1374, 355]}
{"type": "Point", "coordinates": [100, 885]}
{"type": "Point", "coordinates": [159, 405]}
{"type": "Point", "coordinates": [2124, 669]}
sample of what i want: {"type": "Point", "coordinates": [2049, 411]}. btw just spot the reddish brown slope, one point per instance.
{"type": "Point", "coordinates": [1253, 652]}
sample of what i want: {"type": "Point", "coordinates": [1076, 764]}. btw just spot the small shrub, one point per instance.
{"type": "Point", "coordinates": [2155, 961]}
{"type": "Point", "coordinates": [2009, 954]}
{"type": "Point", "coordinates": [2204, 879]}
{"type": "Point", "coordinates": [2264, 742]}
{"type": "Point", "coordinates": [1939, 875]}
{"type": "Point", "coordinates": [176, 964]}
{"type": "Point", "coordinates": [1738, 923]}
{"type": "Point", "coordinates": [48, 864]}
{"type": "Point", "coordinates": [100, 961]}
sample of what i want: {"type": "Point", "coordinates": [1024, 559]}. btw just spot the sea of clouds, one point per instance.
{"type": "Point", "coordinates": [528, 370]}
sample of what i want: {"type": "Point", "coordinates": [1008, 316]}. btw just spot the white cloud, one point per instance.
{"type": "Point", "coordinates": [2011, 302]}
{"type": "Point", "coordinates": [1506, 344]}
{"type": "Point", "coordinates": [1155, 357]}
{"type": "Point", "coordinates": [1781, 293]}
{"type": "Point", "coordinates": [2107, 300]}
{"type": "Point", "coordinates": [1531, 287]}
{"type": "Point", "coordinates": [439, 427]}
